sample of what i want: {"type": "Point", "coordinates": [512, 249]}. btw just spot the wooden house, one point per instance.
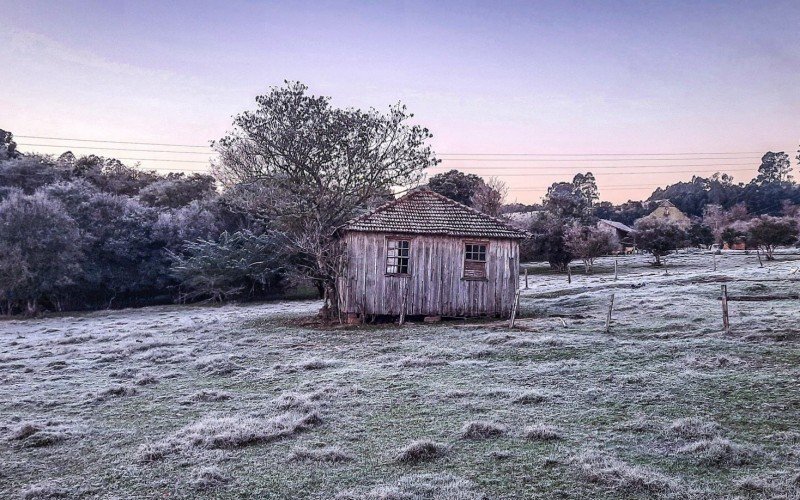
{"type": "Point", "coordinates": [426, 255]}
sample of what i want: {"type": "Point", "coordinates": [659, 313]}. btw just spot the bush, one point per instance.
{"type": "Point", "coordinates": [587, 243]}
{"type": "Point", "coordinates": [768, 232]}
{"type": "Point", "coordinates": [659, 237]}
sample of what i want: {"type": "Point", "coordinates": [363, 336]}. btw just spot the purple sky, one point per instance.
{"type": "Point", "coordinates": [505, 77]}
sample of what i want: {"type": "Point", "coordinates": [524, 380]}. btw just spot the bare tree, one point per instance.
{"type": "Point", "coordinates": [305, 167]}
{"type": "Point", "coordinates": [587, 243]}
{"type": "Point", "coordinates": [490, 196]}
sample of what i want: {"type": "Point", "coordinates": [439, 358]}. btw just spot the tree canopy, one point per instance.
{"type": "Point", "coordinates": [305, 167]}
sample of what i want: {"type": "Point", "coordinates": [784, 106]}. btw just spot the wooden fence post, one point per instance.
{"type": "Point", "coordinates": [569, 274]}
{"type": "Point", "coordinates": [404, 301]}
{"type": "Point", "coordinates": [726, 325]}
{"type": "Point", "coordinates": [715, 262]}
{"type": "Point", "coordinates": [615, 269]}
{"type": "Point", "coordinates": [526, 278]}
{"type": "Point", "coordinates": [608, 317]}
{"type": "Point", "coordinates": [758, 252]}
{"type": "Point", "coordinates": [514, 308]}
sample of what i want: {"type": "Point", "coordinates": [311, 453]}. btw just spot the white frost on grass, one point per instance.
{"type": "Point", "coordinates": [719, 452]}
{"type": "Point", "coordinates": [694, 428]}
{"type": "Point", "coordinates": [422, 450]}
{"type": "Point", "coordinates": [419, 487]}
{"type": "Point", "coordinates": [228, 432]}
{"type": "Point", "coordinates": [331, 454]}
{"type": "Point", "coordinates": [600, 468]}
{"type": "Point", "coordinates": [482, 429]}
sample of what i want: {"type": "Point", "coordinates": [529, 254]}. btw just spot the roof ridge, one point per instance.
{"type": "Point", "coordinates": [434, 213]}
{"type": "Point", "coordinates": [476, 211]}
{"type": "Point", "coordinates": [381, 208]}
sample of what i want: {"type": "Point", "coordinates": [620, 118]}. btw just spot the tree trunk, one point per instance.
{"type": "Point", "coordinates": [658, 259]}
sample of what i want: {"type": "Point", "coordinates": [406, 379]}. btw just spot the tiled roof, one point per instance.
{"type": "Point", "coordinates": [618, 225]}
{"type": "Point", "coordinates": [425, 212]}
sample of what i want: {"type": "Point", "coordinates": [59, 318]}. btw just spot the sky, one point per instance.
{"type": "Point", "coordinates": [561, 82]}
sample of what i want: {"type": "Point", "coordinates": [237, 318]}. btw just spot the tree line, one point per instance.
{"type": "Point", "coordinates": [90, 232]}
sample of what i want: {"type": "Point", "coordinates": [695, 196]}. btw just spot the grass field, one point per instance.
{"type": "Point", "coordinates": [256, 400]}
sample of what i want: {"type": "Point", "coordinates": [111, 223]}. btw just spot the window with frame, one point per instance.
{"type": "Point", "coordinates": [398, 253]}
{"type": "Point", "coordinates": [475, 260]}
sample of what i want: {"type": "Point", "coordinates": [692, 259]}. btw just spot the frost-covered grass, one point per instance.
{"type": "Point", "coordinates": [238, 401]}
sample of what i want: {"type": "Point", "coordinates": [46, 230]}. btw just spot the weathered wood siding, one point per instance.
{"type": "Point", "coordinates": [435, 284]}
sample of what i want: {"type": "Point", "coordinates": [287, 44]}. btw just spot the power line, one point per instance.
{"type": "Point", "coordinates": [600, 154]}
{"type": "Point", "coordinates": [439, 154]}
{"type": "Point", "coordinates": [555, 174]}
{"type": "Point", "coordinates": [596, 159]}
{"type": "Point", "coordinates": [111, 142]}
{"type": "Point", "coordinates": [111, 149]}
{"type": "Point", "coordinates": [159, 159]}
{"type": "Point", "coordinates": [610, 167]}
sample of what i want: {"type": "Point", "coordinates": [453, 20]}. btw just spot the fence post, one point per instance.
{"type": "Point", "coordinates": [726, 325]}
{"type": "Point", "coordinates": [715, 262]}
{"type": "Point", "coordinates": [569, 274]}
{"type": "Point", "coordinates": [526, 278]}
{"type": "Point", "coordinates": [615, 269]}
{"type": "Point", "coordinates": [758, 252]}
{"type": "Point", "coordinates": [404, 301]}
{"type": "Point", "coordinates": [608, 317]}
{"type": "Point", "coordinates": [514, 308]}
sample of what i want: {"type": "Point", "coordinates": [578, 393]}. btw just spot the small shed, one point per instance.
{"type": "Point", "coordinates": [424, 254]}
{"type": "Point", "coordinates": [623, 233]}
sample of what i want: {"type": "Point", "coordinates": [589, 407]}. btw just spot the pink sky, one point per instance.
{"type": "Point", "coordinates": [544, 77]}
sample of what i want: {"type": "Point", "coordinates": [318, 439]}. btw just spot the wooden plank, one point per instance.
{"type": "Point", "coordinates": [726, 325]}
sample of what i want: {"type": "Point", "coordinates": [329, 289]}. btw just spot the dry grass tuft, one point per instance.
{"type": "Point", "coordinates": [207, 396]}
{"type": "Point", "coordinates": [146, 379]}
{"type": "Point", "coordinates": [207, 478]}
{"type": "Point", "coordinates": [228, 432]}
{"type": "Point", "coordinates": [783, 485]}
{"type": "Point", "coordinates": [295, 401]}
{"type": "Point", "coordinates": [482, 429]}
{"type": "Point", "coordinates": [640, 423]}
{"type": "Point", "coordinates": [694, 428]}
{"type": "Point", "coordinates": [719, 452]}
{"type": "Point", "coordinates": [422, 450]}
{"type": "Point", "coordinates": [47, 490]}
{"type": "Point", "coordinates": [712, 362]}
{"type": "Point", "coordinates": [420, 362]}
{"type": "Point", "coordinates": [317, 364]}
{"type": "Point", "coordinates": [609, 471]}
{"type": "Point", "coordinates": [420, 487]}
{"type": "Point", "coordinates": [530, 397]}
{"type": "Point", "coordinates": [116, 391]}
{"type": "Point", "coordinates": [216, 365]}
{"type": "Point", "coordinates": [333, 454]}
{"type": "Point", "coordinates": [31, 434]}
{"type": "Point", "coordinates": [542, 432]}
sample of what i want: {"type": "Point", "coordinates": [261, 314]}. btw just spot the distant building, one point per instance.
{"type": "Point", "coordinates": [666, 210]}
{"type": "Point", "coordinates": [427, 255]}
{"type": "Point", "coordinates": [623, 233]}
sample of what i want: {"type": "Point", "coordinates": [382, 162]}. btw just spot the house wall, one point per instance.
{"type": "Point", "coordinates": [435, 285]}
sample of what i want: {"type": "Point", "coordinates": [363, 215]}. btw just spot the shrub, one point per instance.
{"type": "Point", "coordinates": [421, 451]}
{"type": "Point", "coordinates": [482, 429]}
{"type": "Point", "coordinates": [659, 236]}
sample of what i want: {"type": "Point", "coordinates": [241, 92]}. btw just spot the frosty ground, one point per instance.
{"type": "Point", "coordinates": [232, 401]}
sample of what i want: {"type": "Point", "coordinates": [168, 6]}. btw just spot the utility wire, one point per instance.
{"type": "Point", "coordinates": [438, 154]}
{"type": "Point", "coordinates": [111, 142]}
{"type": "Point", "coordinates": [111, 149]}
{"type": "Point", "coordinates": [595, 159]}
